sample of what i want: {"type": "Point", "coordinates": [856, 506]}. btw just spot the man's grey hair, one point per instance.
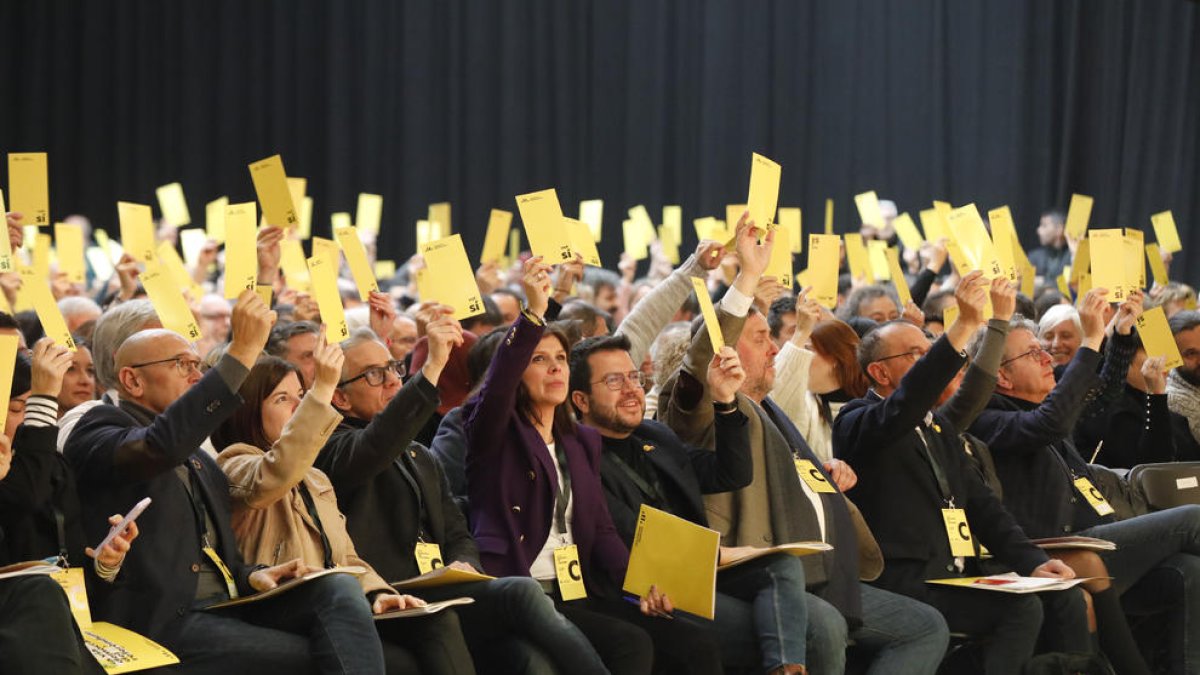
{"type": "Point", "coordinates": [864, 294]}
{"type": "Point", "coordinates": [357, 337]}
{"type": "Point", "coordinates": [112, 329]}
{"type": "Point", "coordinates": [77, 304]}
{"type": "Point", "coordinates": [1018, 322]}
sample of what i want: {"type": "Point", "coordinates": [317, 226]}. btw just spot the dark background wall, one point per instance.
{"type": "Point", "coordinates": [1017, 102]}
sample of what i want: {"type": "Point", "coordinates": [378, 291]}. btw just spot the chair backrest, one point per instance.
{"type": "Point", "coordinates": [1168, 485]}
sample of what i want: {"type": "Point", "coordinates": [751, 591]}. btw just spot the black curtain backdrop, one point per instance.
{"type": "Point", "coordinates": [1017, 102]}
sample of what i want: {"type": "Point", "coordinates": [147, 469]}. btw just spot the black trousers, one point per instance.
{"type": "Point", "coordinates": [37, 634]}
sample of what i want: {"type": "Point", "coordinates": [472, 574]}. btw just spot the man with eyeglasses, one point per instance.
{"type": "Point", "coordinates": [148, 445]}
{"type": "Point", "coordinates": [397, 503]}
{"type": "Point", "coordinates": [1050, 489]}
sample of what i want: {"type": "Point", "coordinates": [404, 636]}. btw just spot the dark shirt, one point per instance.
{"type": "Point", "coordinates": [1049, 261]}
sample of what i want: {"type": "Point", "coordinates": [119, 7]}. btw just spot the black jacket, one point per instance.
{"type": "Point", "coordinates": [38, 490]}
{"type": "Point", "coordinates": [1136, 429]}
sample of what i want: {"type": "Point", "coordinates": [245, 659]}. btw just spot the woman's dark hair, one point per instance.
{"type": "Point", "coordinates": [22, 380]}
{"type": "Point", "coordinates": [837, 341]}
{"type": "Point", "coordinates": [564, 421]}
{"type": "Point", "coordinates": [245, 424]}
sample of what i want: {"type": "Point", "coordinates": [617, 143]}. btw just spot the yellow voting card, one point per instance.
{"type": "Point", "coordinates": [968, 230]}
{"type": "Point", "coordinates": [1108, 262]}
{"type": "Point", "coordinates": [137, 230]}
{"type": "Point", "coordinates": [763, 197]}
{"type": "Point", "coordinates": [385, 269]}
{"type": "Point", "coordinates": [241, 249]}
{"type": "Point", "coordinates": [448, 278]}
{"type": "Point", "coordinates": [676, 556]}
{"type": "Point", "coordinates": [789, 219]}
{"type": "Point", "coordinates": [119, 650]}
{"type": "Point", "coordinates": [270, 183]}
{"type": "Point", "coordinates": [499, 223]}
{"type": "Point", "coordinates": [304, 231]}
{"type": "Point", "coordinates": [328, 249]}
{"type": "Point", "coordinates": [298, 187]}
{"type": "Point", "coordinates": [1157, 268]}
{"type": "Point", "coordinates": [340, 219]}
{"type": "Point", "coordinates": [173, 204]}
{"type": "Point", "coordinates": [440, 213]}
{"type": "Point", "coordinates": [733, 213]}
{"type": "Point", "coordinates": [37, 290]}
{"type": "Point", "coordinates": [1165, 232]}
{"type": "Point", "coordinates": [897, 276]}
{"type": "Point", "coordinates": [514, 244]}
{"type": "Point", "coordinates": [582, 242]}
{"type": "Point", "coordinates": [1081, 266]}
{"type": "Point", "coordinates": [291, 261]}
{"type": "Point", "coordinates": [824, 259]}
{"type": "Point", "coordinates": [949, 315]}
{"type": "Point", "coordinates": [931, 222]}
{"type": "Point", "coordinates": [214, 219]}
{"type": "Point", "coordinates": [543, 220]}
{"type": "Point", "coordinates": [641, 219]}
{"type": "Point", "coordinates": [709, 228]}
{"type": "Point", "coordinates": [877, 257]}
{"type": "Point", "coordinates": [6, 259]}
{"type": "Point", "coordinates": [591, 211]}
{"type": "Point", "coordinates": [636, 246]}
{"type": "Point", "coordinates": [673, 221]}
{"type": "Point", "coordinates": [424, 234]}
{"type": "Point", "coordinates": [780, 264]}
{"type": "Point", "coordinates": [69, 244]}
{"type": "Point", "coordinates": [29, 187]}
{"type": "Point", "coordinates": [709, 313]}
{"type": "Point", "coordinates": [168, 302]}
{"type": "Point", "coordinates": [828, 216]}
{"type": "Point", "coordinates": [8, 363]}
{"type": "Point", "coordinates": [1135, 261]}
{"type": "Point", "coordinates": [670, 246]}
{"type": "Point", "coordinates": [369, 213]}
{"type": "Point", "coordinates": [324, 282]}
{"type": "Point", "coordinates": [1064, 286]}
{"type": "Point", "coordinates": [43, 245]}
{"type": "Point", "coordinates": [171, 262]}
{"type": "Point", "coordinates": [868, 209]}
{"type": "Point", "coordinates": [856, 253]}
{"type": "Point", "coordinates": [192, 241]}
{"type": "Point", "coordinates": [356, 259]}
{"type": "Point", "coordinates": [1156, 337]}
{"type": "Point", "coordinates": [1078, 214]}
{"type": "Point", "coordinates": [910, 236]}
{"type": "Point", "coordinates": [1004, 237]}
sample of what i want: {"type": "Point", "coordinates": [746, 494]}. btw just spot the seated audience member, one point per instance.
{"type": "Point", "coordinates": [533, 481]}
{"type": "Point", "coordinates": [592, 321]}
{"type": "Point", "coordinates": [1060, 333]}
{"type": "Point", "coordinates": [394, 496]}
{"type": "Point", "coordinates": [78, 310]}
{"type": "Point", "coordinates": [509, 302]}
{"type": "Point", "coordinates": [760, 603]}
{"type": "Point", "coordinates": [30, 326]}
{"type": "Point", "coordinates": [1053, 254]}
{"type": "Point", "coordinates": [871, 302]}
{"type": "Point", "coordinates": [900, 634]}
{"type": "Point", "coordinates": [666, 355]}
{"type": "Point", "coordinates": [1174, 298]}
{"type": "Point", "coordinates": [1045, 298]}
{"type": "Point", "coordinates": [1025, 305]}
{"type": "Point", "coordinates": [283, 508]}
{"type": "Point", "coordinates": [295, 343]}
{"type": "Point", "coordinates": [1183, 383]}
{"type": "Point", "coordinates": [214, 317]}
{"type": "Point", "coordinates": [781, 319]}
{"type": "Point", "coordinates": [934, 309]}
{"type": "Point", "coordinates": [604, 285]}
{"type": "Point", "coordinates": [404, 336]}
{"type": "Point", "coordinates": [1048, 485]}
{"type": "Point", "coordinates": [79, 382]}
{"type": "Point", "coordinates": [187, 558]}
{"type": "Point", "coordinates": [1136, 428]}
{"type": "Point", "coordinates": [38, 634]}
{"type": "Point", "coordinates": [911, 470]}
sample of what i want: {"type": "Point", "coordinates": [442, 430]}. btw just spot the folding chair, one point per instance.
{"type": "Point", "coordinates": [1167, 485]}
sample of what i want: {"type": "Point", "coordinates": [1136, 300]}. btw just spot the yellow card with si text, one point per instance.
{"type": "Point", "coordinates": [29, 187]}
{"type": "Point", "coordinates": [1108, 262]}
{"type": "Point", "coordinates": [137, 230]}
{"type": "Point", "coordinates": [780, 264]}
{"type": "Point", "coordinates": [542, 217]}
{"type": "Point", "coordinates": [37, 289]}
{"type": "Point", "coordinates": [448, 277]}
{"type": "Point", "coordinates": [169, 303]}
{"type": "Point", "coordinates": [241, 249]}
{"type": "Point", "coordinates": [324, 282]}
{"type": "Point", "coordinates": [824, 259]}
{"type": "Point", "coordinates": [270, 183]}
{"type": "Point", "coordinates": [356, 259]}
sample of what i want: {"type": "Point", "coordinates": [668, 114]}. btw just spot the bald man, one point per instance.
{"type": "Point", "coordinates": [148, 444]}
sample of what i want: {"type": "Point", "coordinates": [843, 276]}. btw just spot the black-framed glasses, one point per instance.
{"type": "Point", "coordinates": [1037, 353]}
{"type": "Point", "coordinates": [616, 381]}
{"type": "Point", "coordinates": [183, 365]}
{"type": "Point", "coordinates": [375, 375]}
{"type": "Point", "coordinates": [914, 354]}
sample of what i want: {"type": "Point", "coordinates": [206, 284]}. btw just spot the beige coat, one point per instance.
{"type": "Point", "coordinates": [270, 520]}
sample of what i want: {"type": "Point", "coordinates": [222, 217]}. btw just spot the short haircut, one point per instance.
{"type": "Point", "coordinates": [8, 322]}
{"type": "Point", "coordinates": [277, 344]}
{"type": "Point", "coordinates": [781, 306]}
{"type": "Point", "coordinates": [934, 306]}
{"type": "Point", "coordinates": [1056, 315]}
{"type": "Point", "coordinates": [870, 347]}
{"type": "Point", "coordinates": [1018, 322]}
{"type": "Point", "coordinates": [836, 341]}
{"type": "Point", "coordinates": [586, 314]}
{"type": "Point", "coordinates": [862, 325]}
{"type": "Point", "coordinates": [1176, 292]}
{"type": "Point", "coordinates": [505, 290]}
{"type": "Point", "coordinates": [1045, 300]}
{"type": "Point", "coordinates": [1185, 320]}
{"type": "Point", "coordinates": [864, 294]}
{"type": "Point", "coordinates": [31, 326]}
{"type": "Point", "coordinates": [1025, 305]}
{"type": "Point", "coordinates": [581, 371]}
{"type": "Point", "coordinates": [479, 356]}
{"type": "Point", "coordinates": [112, 329]}
{"type": "Point", "coordinates": [1056, 215]}
{"type": "Point", "coordinates": [77, 304]}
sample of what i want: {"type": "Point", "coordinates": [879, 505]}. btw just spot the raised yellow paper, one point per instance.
{"type": "Point", "coordinates": [102, 265]}
{"type": "Point", "coordinates": [1108, 263]}
{"type": "Point", "coordinates": [967, 228]}
{"type": "Point", "coordinates": [710, 314]}
{"type": "Point", "coordinates": [37, 290]}
{"type": "Point", "coordinates": [329, 301]}
{"type": "Point", "coordinates": [1157, 268]}
{"type": "Point", "coordinates": [582, 242]}
{"type": "Point", "coordinates": [670, 246]}
{"type": "Point", "coordinates": [43, 245]}
{"type": "Point", "coordinates": [69, 243]}
{"type": "Point", "coordinates": [214, 219]}
{"type": "Point", "coordinates": [1081, 266]}
{"type": "Point", "coordinates": [304, 231]}
{"type": "Point", "coordinates": [291, 261]}
{"type": "Point", "coordinates": [241, 249]}
{"type": "Point", "coordinates": [173, 204]}
{"type": "Point", "coordinates": [1004, 234]}
{"type": "Point", "coordinates": [1156, 337]}
{"type": "Point", "coordinates": [877, 257]}
{"type": "Point", "coordinates": [6, 261]}
{"type": "Point", "coordinates": [709, 228]}
{"type": "Point", "coordinates": [356, 259]}
{"type": "Point", "coordinates": [328, 249]}
{"type": "Point", "coordinates": [137, 230]}
{"type": "Point", "coordinates": [780, 264]}
{"type": "Point", "coordinates": [856, 253]}
{"type": "Point", "coordinates": [678, 557]}
{"type": "Point", "coordinates": [340, 219]}
{"type": "Point", "coordinates": [170, 261]}
{"type": "Point", "coordinates": [868, 209]}
{"type": "Point", "coordinates": [29, 187]}
{"type": "Point", "coordinates": [385, 269]}
{"type": "Point", "coordinates": [789, 219]}
{"type": "Point", "coordinates": [449, 279]}
{"type": "Point", "coordinates": [897, 276]}
{"type": "Point", "coordinates": [494, 241]}
{"type": "Point", "coordinates": [824, 259]}
{"type": "Point", "coordinates": [673, 221]}
{"type": "Point", "coordinates": [935, 228]}
{"type": "Point", "coordinates": [591, 211]}
{"type": "Point", "coordinates": [440, 213]}
{"type": "Point", "coordinates": [270, 183]}
{"type": "Point", "coordinates": [635, 246]}
{"type": "Point", "coordinates": [543, 220]}
{"type": "Point", "coordinates": [641, 219]}
{"type": "Point", "coordinates": [763, 197]}
{"type": "Point", "coordinates": [369, 213]}
{"type": "Point", "coordinates": [910, 236]}
{"type": "Point", "coordinates": [733, 213]}
{"type": "Point", "coordinates": [828, 216]}
{"type": "Point", "coordinates": [169, 303]}
{"type": "Point", "coordinates": [950, 315]}
{"type": "Point", "coordinates": [1165, 232]}
{"type": "Point", "coordinates": [8, 363]}
{"type": "Point", "coordinates": [192, 241]}
{"type": "Point", "coordinates": [1135, 261]}
{"type": "Point", "coordinates": [1078, 214]}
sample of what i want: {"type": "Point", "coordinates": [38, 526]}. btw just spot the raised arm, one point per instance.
{"type": "Point", "coordinates": [980, 380]}
{"type": "Point", "coordinates": [793, 362]}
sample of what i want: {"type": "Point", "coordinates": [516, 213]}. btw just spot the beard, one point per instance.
{"type": "Point", "coordinates": [611, 419]}
{"type": "Point", "coordinates": [1192, 377]}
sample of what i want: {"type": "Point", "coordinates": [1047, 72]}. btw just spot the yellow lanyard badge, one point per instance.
{"type": "Point", "coordinates": [958, 532]}
{"type": "Point", "coordinates": [1093, 496]}
{"type": "Point", "coordinates": [813, 477]}
{"type": "Point", "coordinates": [569, 572]}
{"type": "Point", "coordinates": [216, 560]}
{"type": "Point", "coordinates": [429, 557]}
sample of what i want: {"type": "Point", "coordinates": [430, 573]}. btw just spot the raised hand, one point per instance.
{"type": "Point", "coordinates": [16, 232]}
{"type": "Point", "coordinates": [487, 277]}
{"type": "Point", "coordinates": [329, 359]}
{"type": "Point", "coordinates": [51, 362]}
{"type": "Point", "coordinates": [127, 273]}
{"type": "Point", "coordinates": [808, 313]}
{"type": "Point", "coordinates": [766, 292]}
{"type": "Point", "coordinates": [725, 375]}
{"type": "Point", "coordinates": [934, 255]}
{"type": "Point", "coordinates": [709, 254]}
{"type": "Point", "coordinates": [753, 256]}
{"type": "Point", "coordinates": [535, 279]}
{"type": "Point", "coordinates": [251, 326]}
{"type": "Point", "coordinates": [383, 314]}
{"type": "Point", "coordinates": [971, 295]}
{"type": "Point", "coordinates": [1155, 374]}
{"type": "Point", "coordinates": [1129, 311]}
{"type": "Point", "coordinates": [913, 314]}
{"type": "Point", "coordinates": [444, 333]}
{"type": "Point", "coordinates": [1004, 299]}
{"type": "Point", "coordinates": [269, 253]}
{"type": "Point", "coordinates": [568, 274]}
{"type": "Point", "coordinates": [1091, 316]}
{"type": "Point", "coordinates": [113, 553]}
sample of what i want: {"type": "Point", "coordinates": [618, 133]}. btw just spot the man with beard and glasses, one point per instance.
{"type": "Point", "coordinates": [1183, 383]}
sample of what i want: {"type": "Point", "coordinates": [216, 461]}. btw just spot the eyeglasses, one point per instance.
{"type": "Point", "coordinates": [375, 375]}
{"type": "Point", "coordinates": [914, 354]}
{"type": "Point", "coordinates": [616, 381]}
{"type": "Point", "coordinates": [183, 365]}
{"type": "Point", "coordinates": [1037, 353]}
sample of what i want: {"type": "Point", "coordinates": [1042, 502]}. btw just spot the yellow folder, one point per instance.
{"type": "Point", "coordinates": [448, 277]}
{"type": "Point", "coordinates": [29, 187]}
{"type": "Point", "coordinates": [241, 249]}
{"type": "Point", "coordinates": [1165, 232]}
{"type": "Point", "coordinates": [678, 557]}
{"type": "Point", "coordinates": [37, 290]}
{"type": "Point", "coordinates": [356, 259]}
{"type": "Point", "coordinates": [494, 241]}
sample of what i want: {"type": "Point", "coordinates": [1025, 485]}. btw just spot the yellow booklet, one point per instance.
{"type": "Point", "coordinates": [1156, 337]}
{"type": "Point", "coordinates": [270, 183]}
{"type": "Point", "coordinates": [763, 197]}
{"type": "Point", "coordinates": [1107, 251]}
{"type": "Point", "coordinates": [678, 557]}
{"type": "Point", "coordinates": [824, 259]}
{"type": "Point", "coordinates": [356, 259]}
{"type": "Point", "coordinates": [241, 249]}
{"type": "Point", "coordinates": [120, 650]}
{"type": "Point", "coordinates": [29, 187]}
{"type": "Point", "coordinates": [543, 220]}
{"type": "Point", "coordinates": [448, 277]}
{"type": "Point", "coordinates": [442, 576]}
{"type": "Point", "coordinates": [173, 204]}
{"type": "Point", "coordinates": [137, 230]}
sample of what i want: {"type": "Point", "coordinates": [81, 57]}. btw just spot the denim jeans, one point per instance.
{"type": "Point", "coordinates": [511, 610]}
{"type": "Point", "coordinates": [324, 626]}
{"type": "Point", "coordinates": [37, 634]}
{"type": "Point", "coordinates": [907, 637]}
{"type": "Point", "coordinates": [1166, 542]}
{"type": "Point", "coordinates": [762, 613]}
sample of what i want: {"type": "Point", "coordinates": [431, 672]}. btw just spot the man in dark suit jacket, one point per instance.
{"type": "Point", "coordinates": [394, 495]}
{"type": "Point", "coordinates": [911, 472]}
{"type": "Point", "coordinates": [187, 557]}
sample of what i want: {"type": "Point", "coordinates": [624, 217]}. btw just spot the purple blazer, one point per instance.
{"type": "Point", "coordinates": [512, 483]}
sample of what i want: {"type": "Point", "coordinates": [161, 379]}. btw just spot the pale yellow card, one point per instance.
{"type": "Point", "coordinates": [214, 219]}
{"type": "Point", "coordinates": [877, 257]}
{"type": "Point", "coordinates": [1078, 215]}
{"type": "Point", "coordinates": [192, 241]}
{"type": "Point", "coordinates": [171, 262]}
{"type": "Point", "coordinates": [673, 221]}
{"type": "Point", "coordinates": [291, 261]}
{"type": "Point", "coordinates": [709, 228]}
{"type": "Point", "coordinates": [949, 315]}
{"type": "Point", "coordinates": [369, 213]}
{"type": "Point", "coordinates": [763, 197]}
{"type": "Point", "coordinates": [137, 230]}
{"type": "Point", "coordinates": [173, 204]}
{"type": "Point", "coordinates": [897, 276]}
{"type": "Point", "coordinates": [356, 259]}
{"type": "Point", "coordinates": [29, 187]}
{"type": "Point", "coordinates": [1081, 266]}
{"type": "Point", "coordinates": [868, 209]}
{"type": "Point", "coordinates": [670, 246]}
{"type": "Point", "coordinates": [733, 213]}
{"type": "Point", "coordinates": [270, 183]}
{"type": "Point", "coordinates": [298, 187]}
{"type": "Point", "coordinates": [385, 269]}
{"type": "Point", "coordinates": [1135, 259]}
{"type": "Point", "coordinates": [1157, 268]}
{"type": "Point", "coordinates": [931, 222]}
{"type": "Point", "coordinates": [1157, 338]}
{"type": "Point", "coordinates": [828, 216]}
{"type": "Point", "coordinates": [677, 557]}
{"type": "Point", "coordinates": [957, 258]}
{"type": "Point", "coordinates": [37, 290]}
{"type": "Point", "coordinates": [824, 259]}
{"type": "Point", "coordinates": [424, 236]}
{"type": "Point", "coordinates": [330, 250]}
{"type": "Point", "coordinates": [1004, 234]}
{"type": "Point", "coordinates": [6, 261]}
{"type": "Point", "coordinates": [494, 241]}
{"type": "Point", "coordinates": [967, 228]}
{"type": "Point", "coordinates": [69, 244]}
{"type": "Point", "coordinates": [169, 303]}
{"type": "Point", "coordinates": [910, 236]}
{"type": "Point", "coordinates": [8, 363]}
{"type": "Point", "coordinates": [514, 245]}
{"type": "Point", "coordinates": [641, 219]}
{"type": "Point", "coordinates": [710, 314]}
{"type": "Point", "coordinates": [329, 301]}
{"type": "Point", "coordinates": [543, 220]}
{"type": "Point", "coordinates": [340, 219]}
{"type": "Point", "coordinates": [789, 219]}
{"type": "Point", "coordinates": [440, 213]}
{"type": "Point", "coordinates": [1165, 232]}
{"type": "Point", "coordinates": [304, 231]}
{"type": "Point", "coordinates": [591, 211]}
{"type": "Point", "coordinates": [780, 265]}
{"type": "Point", "coordinates": [43, 248]}
{"type": "Point", "coordinates": [241, 249]}
{"type": "Point", "coordinates": [635, 246]}
{"type": "Point", "coordinates": [449, 279]}
{"type": "Point", "coordinates": [860, 262]}
{"type": "Point", "coordinates": [1108, 262]}
{"type": "Point", "coordinates": [1064, 286]}
{"type": "Point", "coordinates": [582, 242]}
